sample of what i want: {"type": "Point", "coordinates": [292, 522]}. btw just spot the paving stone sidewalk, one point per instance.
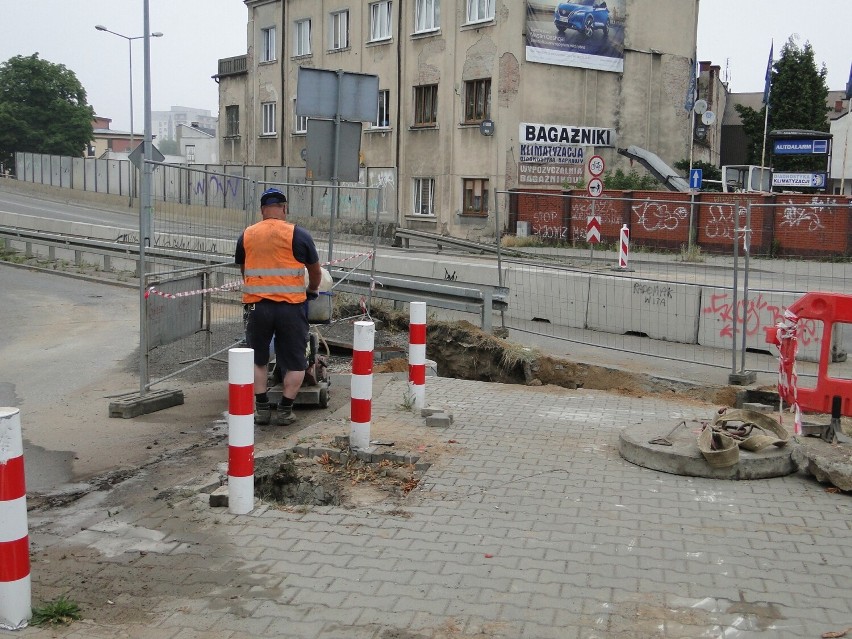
{"type": "Point", "coordinates": [533, 527]}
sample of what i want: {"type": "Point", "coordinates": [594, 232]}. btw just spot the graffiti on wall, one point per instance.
{"type": "Point", "coordinates": [653, 294]}
{"type": "Point", "coordinates": [720, 221]}
{"type": "Point", "coordinates": [217, 184]}
{"type": "Point", "coordinates": [184, 243]}
{"type": "Point", "coordinates": [657, 216]}
{"type": "Point", "coordinates": [754, 317]}
{"type": "Point", "coordinates": [548, 226]}
{"type": "Point", "coordinates": [806, 217]}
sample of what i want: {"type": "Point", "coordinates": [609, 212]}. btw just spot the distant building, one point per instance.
{"type": "Point", "coordinates": [198, 145]}
{"type": "Point", "coordinates": [105, 139]}
{"type": "Point", "coordinates": [841, 154]}
{"type": "Point", "coordinates": [164, 123]}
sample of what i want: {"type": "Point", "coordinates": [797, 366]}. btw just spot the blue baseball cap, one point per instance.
{"type": "Point", "coordinates": [272, 196]}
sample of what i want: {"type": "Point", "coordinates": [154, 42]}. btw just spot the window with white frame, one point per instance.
{"type": "Point", "coordinates": [267, 111]}
{"type": "Point", "coordinates": [302, 37]}
{"type": "Point", "coordinates": [380, 20]}
{"type": "Point", "coordinates": [190, 153]}
{"type": "Point", "coordinates": [300, 122]}
{"type": "Point", "coordinates": [427, 15]}
{"type": "Point", "coordinates": [424, 196]}
{"type": "Point", "coordinates": [267, 44]}
{"type": "Point", "coordinates": [339, 36]}
{"type": "Point", "coordinates": [480, 10]}
{"type": "Point", "coordinates": [475, 197]}
{"type": "Point", "coordinates": [383, 117]}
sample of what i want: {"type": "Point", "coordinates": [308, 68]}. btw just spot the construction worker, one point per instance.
{"type": "Point", "coordinates": [273, 255]}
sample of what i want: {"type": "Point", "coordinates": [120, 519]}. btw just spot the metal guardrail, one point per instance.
{"type": "Point", "coordinates": [406, 235]}
{"type": "Point", "coordinates": [480, 301]}
{"type": "Point", "coordinates": [457, 298]}
{"type": "Point", "coordinates": [104, 248]}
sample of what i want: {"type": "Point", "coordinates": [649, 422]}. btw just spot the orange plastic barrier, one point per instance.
{"type": "Point", "coordinates": [830, 309]}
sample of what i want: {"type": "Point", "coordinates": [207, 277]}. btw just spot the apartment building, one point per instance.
{"type": "Point", "coordinates": [476, 97]}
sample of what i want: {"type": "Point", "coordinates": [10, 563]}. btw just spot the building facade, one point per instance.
{"type": "Point", "coordinates": [164, 124]}
{"type": "Point", "coordinates": [476, 97]}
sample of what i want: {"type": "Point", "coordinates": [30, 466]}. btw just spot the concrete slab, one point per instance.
{"type": "Point", "coordinates": [684, 458]}
{"type": "Point", "coordinates": [715, 328]}
{"type": "Point", "coordinates": [135, 405]}
{"type": "Point", "coordinates": [659, 310]}
{"type": "Point", "coordinates": [828, 463]}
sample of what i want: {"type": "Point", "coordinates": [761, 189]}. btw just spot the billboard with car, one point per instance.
{"type": "Point", "coordinates": [580, 33]}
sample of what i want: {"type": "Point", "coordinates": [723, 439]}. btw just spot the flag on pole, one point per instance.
{"type": "Point", "coordinates": [690, 89]}
{"type": "Point", "coordinates": [849, 85]}
{"type": "Point", "coordinates": [768, 83]}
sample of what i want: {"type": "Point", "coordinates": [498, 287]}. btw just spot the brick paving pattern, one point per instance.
{"type": "Point", "coordinates": [532, 527]}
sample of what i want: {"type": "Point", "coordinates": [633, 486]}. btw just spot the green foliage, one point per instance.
{"type": "Point", "coordinates": [56, 612]}
{"type": "Point", "coordinates": [43, 109]}
{"type": "Point", "coordinates": [797, 100]}
{"type": "Point", "coordinates": [580, 184]}
{"type": "Point", "coordinates": [630, 181]}
{"type": "Point", "coordinates": [709, 172]}
{"type": "Point", "coordinates": [168, 147]}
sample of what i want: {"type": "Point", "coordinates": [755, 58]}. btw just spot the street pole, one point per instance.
{"type": "Point", "coordinates": [130, 39]}
{"type": "Point", "coordinates": [145, 209]}
{"type": "Point", "coordinates": [130, 174]}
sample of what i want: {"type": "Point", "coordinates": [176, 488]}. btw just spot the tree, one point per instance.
{"type": "Point", "coordinates": [797, 100]}
{"type": "Point", "coordinates": [711, 175]}
{"type": "Point", "coordinates": [630, 181]}
{"type": "Point", "coordinates": [168, 147]}
{"type": "Point", "coordinates": [43, 109]}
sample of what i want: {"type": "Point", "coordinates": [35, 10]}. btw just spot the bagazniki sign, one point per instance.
{"type": "Point", "coordinates": [558, 134]}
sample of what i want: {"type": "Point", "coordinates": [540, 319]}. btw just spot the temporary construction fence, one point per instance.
{"type": "Point", "coordinates": [216, 185]}
{"type": "Point", "coordinates": [703, 281]}
{"type": "Point", "coordinates": [192, 306]}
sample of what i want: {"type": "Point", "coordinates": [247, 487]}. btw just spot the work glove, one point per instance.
{"type": "Point", "coordinates": [312, 295]}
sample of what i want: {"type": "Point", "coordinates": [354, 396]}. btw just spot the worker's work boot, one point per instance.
{"type": "Point", "coordinates": [263, 413]}
{"type": "Point", "coordinates": [285, 415]}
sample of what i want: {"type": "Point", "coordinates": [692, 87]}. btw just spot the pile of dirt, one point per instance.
{"type": "Point", "coordinates": [337, 478]}
{"type": "Point", "coordinates": [464, 351]}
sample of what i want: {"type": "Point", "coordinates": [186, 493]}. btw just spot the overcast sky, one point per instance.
{"type": "Point", "coordinates": [735, 34]}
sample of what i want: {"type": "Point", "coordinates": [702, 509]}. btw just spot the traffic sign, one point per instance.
{"type": "Point", "coordinates": [136, 155]}
{"type": "Point", "coordinates": [596, 165]}
{"type": "Point", "coordinates": [595, 187]}
{"type": "Point", "coordinates": [593, 229]}
{"type": "Point", "coordinates": [695, 177]}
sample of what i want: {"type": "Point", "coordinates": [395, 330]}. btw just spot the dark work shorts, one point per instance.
{"type": "Point", "coordinates": [288, 323]}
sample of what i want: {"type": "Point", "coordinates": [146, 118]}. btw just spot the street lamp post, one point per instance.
{"type": "Point", "coordinates": [130, 40]}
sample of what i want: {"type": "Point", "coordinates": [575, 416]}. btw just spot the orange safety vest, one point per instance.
{"type": "Point", "coordinates": [271, 270]}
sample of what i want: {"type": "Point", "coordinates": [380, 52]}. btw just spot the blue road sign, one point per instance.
{"type": "Point", "coordinates": [695, 176]}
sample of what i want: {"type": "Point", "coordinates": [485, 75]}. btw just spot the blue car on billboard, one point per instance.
{"type": "Point", "coordinates": [582, 15]}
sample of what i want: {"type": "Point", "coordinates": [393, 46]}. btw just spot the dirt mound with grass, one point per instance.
{"type": "Point", "coordinates": [464, 351]}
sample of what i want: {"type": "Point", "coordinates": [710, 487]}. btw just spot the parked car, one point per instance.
{"type": "Point", "coordinates": [582, 15]}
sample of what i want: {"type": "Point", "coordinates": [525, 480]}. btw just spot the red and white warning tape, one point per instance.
{"type": "Point", "coordinates": [235, 285]}
{"type": "Point", "coordinates": [346, 259]}
{"type": "Point", "coordinates": [786, 331]}
{"type": "Point", "coordinates": [171, 296]}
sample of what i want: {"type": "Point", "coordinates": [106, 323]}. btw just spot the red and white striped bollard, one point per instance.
{"type": "Point", "coordinates": [361, 386]}
{"type": "Point", "coordinates": [624, 246]}
{"type": "Point", "coordinates": [15, 586]}
{"type": "Point", "coordinates": [240, 430]}
{"type": "Point", "coordinates": [417, 352]}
